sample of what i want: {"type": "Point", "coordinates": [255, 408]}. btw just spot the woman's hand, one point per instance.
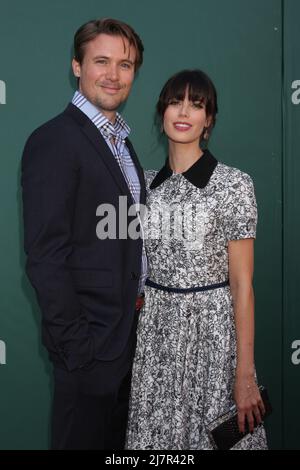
{"type": "Point", "coordinates": [248, 402]}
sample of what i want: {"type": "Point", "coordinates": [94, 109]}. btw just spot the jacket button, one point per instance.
{"type": "Point", "coordinates": [63, 352]}
{"type": "Point", "coordinates": [133, 276]}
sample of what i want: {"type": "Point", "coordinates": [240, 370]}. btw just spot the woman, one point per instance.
{"type": "Point", "coordinates": [194, 356]}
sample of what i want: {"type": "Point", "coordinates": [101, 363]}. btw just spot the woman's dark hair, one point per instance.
{"type": "Point", "coordinates": [200, 88]}
{"type": "Point", "coordinates": [93, 28]}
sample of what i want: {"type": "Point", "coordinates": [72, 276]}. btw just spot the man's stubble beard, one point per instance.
{"type": "Point", "coordinates": [104, 105]}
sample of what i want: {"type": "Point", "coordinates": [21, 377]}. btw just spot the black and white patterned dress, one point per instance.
{"type": "Point", "coordinates": [185, 360]}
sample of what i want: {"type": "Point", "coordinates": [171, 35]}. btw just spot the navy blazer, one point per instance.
{"type": "Point", "coordinates": [86, 287]}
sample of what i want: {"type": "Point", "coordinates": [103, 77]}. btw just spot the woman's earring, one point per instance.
{"type": "Point", "coordinates": [205, 133]}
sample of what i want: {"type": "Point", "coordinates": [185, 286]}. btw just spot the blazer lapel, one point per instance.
{"type": "Point", "coordinates": [95, 137]}
{"type": "Point", "coordinates": [107, 157]}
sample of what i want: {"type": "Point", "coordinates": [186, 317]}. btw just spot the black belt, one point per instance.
{"type": "Point", "coordinates": [177, 290]}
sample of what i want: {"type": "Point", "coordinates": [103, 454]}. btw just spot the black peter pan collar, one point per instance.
{"type": "Point", "coordinates": [198, 174]}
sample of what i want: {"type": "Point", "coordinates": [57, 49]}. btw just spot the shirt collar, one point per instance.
{"type": "Point", "coordinates": [198, 174]}
{"type": "Point", "coordinates": [101, 122]}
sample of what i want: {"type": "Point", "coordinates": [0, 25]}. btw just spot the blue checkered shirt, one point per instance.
{"type": "Point", "coordinates": [115, 135]}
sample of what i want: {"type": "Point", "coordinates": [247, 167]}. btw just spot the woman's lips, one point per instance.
{"type": "Point", "coordinates": [182, 126]}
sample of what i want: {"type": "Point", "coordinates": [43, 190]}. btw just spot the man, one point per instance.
{"type": "Point", "coordinates": [87, 287]}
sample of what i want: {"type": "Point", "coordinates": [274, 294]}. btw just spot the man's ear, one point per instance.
{"type": "Point", "coordinates": [76, 68]}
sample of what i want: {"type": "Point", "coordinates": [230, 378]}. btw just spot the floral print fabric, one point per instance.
{"type": "Point", "coordinates": [185, 360]}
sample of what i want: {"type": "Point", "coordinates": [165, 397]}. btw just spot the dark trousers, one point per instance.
{"type": "Point", "coordinates": [90, 407]}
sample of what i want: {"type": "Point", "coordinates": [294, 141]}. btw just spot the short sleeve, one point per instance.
{"type": "Point", "coordinates": [240, 209]}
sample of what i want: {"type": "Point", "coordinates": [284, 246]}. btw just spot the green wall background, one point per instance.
{"type": "Point", "coordinates": [291, 218]}
{"type": "Point", "coordinates": [249, 48]}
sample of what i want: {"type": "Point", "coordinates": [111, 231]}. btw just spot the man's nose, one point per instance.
{"type": "Point", "coordinates": [112, 72]}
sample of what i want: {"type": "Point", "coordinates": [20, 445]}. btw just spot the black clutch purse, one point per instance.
{"type": "Point", "coordinates": [224, 431]}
